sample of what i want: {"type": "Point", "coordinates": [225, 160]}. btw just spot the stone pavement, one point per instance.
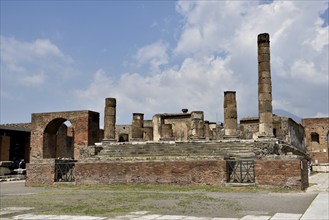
{"type": "Point", "coordinates": [318, 210]}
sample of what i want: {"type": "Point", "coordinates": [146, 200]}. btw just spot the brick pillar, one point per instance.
{"type": "Point", "coordinates": [137, 126]}
{"type": "Point", "coordinates": [109, 119]}
{"type": "Point", "coordinates": [264, 86]}
{"type": "Point", "coordinates": [230, 115]}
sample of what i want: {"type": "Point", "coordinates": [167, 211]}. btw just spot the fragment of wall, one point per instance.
{"type": "Point", "coordinates": [319, 151]}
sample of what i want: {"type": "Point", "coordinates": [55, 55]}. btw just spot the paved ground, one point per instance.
{"type": "Point", "coordinates": [318, 210]}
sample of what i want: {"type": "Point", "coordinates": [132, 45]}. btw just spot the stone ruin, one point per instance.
{"type": "Point", "coordinates": [179, 148]}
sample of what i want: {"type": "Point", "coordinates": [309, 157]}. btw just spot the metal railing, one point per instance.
{"type": "Point", "coordinates": [240, 171]}
{"type": "Point", "coordinates": [64, 170]}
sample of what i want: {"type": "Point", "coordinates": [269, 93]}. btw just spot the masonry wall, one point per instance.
{"type": "Point", "coordinates": [123, 133]}
{"type": "Point", "coordinates": [248, 127]}
{"type": "Point", "coordinates": [84, 123]}
{"type": "Point", "coordinates": [282, 173]}
{"type": "Point", "coordinates": [212, 172]}
{"type": "Point", "coordinates": [40, 172]}
{"type": "Point", "coordinates": [318, 148]}
{"type": "Point", "coordinates": [289, 131]}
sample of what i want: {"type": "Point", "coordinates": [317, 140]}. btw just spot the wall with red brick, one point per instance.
{"type": "Point", "coordinates": [282, 173]}
{"type": "Point", "coordinates": [40, 172]}
{"type": "Point", "coordinates": [153, 172]}
{"type": "Point", "coordinates": [319, 151]}
{"type": "Point", "coordinates": [85, 125]}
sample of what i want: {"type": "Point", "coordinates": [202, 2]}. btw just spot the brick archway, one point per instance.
{"type": "Point", "coordinates": [45, 126]}
{"type": "Point", "coordinates": [58, 139]}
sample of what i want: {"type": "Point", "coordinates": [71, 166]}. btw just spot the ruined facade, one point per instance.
{"type": "Point", "coordinates": [317, 139]}
{"type": "Point", "coordinates": [51, 138]}
{"type": "Point", "coordinates": [172, 148]}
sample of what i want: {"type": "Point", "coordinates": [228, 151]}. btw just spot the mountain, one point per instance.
{"type": "Point", "coordinates": [281, 112]}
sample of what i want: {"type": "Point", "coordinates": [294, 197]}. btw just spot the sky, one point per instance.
{"type": "Point", "coordinates": [160, 57]}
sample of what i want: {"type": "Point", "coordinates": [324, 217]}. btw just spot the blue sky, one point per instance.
{"type": "Point", "coordinates": [160, 56]}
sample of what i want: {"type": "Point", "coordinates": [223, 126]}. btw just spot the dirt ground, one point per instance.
{"type": "Point", "coordinates": [108, 202]}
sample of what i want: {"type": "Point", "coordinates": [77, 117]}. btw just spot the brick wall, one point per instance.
{"type": "Point", "coordinates": [154, 172]}
{"type": "Point", "coordinates": [282, 173]}
{"type": "Point", "coordinates": [319, 151]}
{"type": "Point", "coordinates": [40, 172]}
{"type": "Point", "coordinates": [84, 123]}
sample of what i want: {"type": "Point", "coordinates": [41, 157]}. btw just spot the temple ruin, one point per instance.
{"type": "Point", "coordinates": [176, 148]}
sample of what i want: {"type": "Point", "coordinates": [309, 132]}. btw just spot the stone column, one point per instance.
{"type": "Point", "coordinates": [157, 123]}
{"type": "Point", "coordinates": [264, 86]}
{"type": "Point", "coordinates": [230, 115]}
{"type": "Point", "coordinates": [109, 119]}
{"type": "Point", "coordinates": [206, 130]}
{"type": "Point", "coordinates": [137, 126]}
{"type": "Point", "coordinates": [197, 123]}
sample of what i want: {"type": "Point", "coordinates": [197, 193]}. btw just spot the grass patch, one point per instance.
{"type": "Point", "coordinates": [115, 200]}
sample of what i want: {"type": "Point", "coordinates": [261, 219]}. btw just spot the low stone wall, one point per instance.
{"type": "Point", "coordinates": [269, 173]}
{"type": "Point", "coordinates": [152, 172]}
{"type": "Point", "coordinates": [40, 172]}
{"type": "Point", "coordinates": [282, 173]}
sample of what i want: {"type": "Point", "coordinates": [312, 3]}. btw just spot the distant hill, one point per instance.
{"type": "Point", "coordinates": [281, 112]}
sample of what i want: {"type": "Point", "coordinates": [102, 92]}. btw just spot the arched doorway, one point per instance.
{"type": "Point", "coordinates": [315, 142]}
{"type": "Point", "coordinates": [58, 139]}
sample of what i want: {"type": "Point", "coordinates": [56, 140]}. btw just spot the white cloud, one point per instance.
{"type": "Point", "coordinates": [32, 63]}
{"type": "Point", "coordinates": [216, 51]}
{"type": "Point", "coordinates": [218, 47]}
{"type": "Point", "coordinates": [33, 80]}
{"type": "Point", "coordinates": [154, 55]}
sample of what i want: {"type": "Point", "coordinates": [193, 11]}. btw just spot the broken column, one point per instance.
{"type": "Point", "coordinates": [264, 86]}
{"type": "Point", "coordinates": [137, 126]}
{"type": "Point", "coordinates": [230, 115]}
{"type": "Point", "coordinates": [197, 123]}
{"type": "Point", "coordinates": [109, 119]}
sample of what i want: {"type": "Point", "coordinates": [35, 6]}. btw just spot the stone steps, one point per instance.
{"type": "Point", "coordinates": [213, 149]}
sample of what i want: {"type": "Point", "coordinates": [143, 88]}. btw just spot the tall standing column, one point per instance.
{"type": "Point", "coordinates": [109, 119]}
{"type": "Point", "coordinates": [137, 126]}
{"type": "Point", "coordinates": [230, 114]}
{"type": "Point", "coordinates": [264, 86]}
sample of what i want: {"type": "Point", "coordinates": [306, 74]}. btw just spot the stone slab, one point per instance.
{"type": "Point", "coordinates": [286, 216]}
{"type": "Point", "coordinates": [319, 208]}
{"type": "Point", "coordinates": [255, 217]}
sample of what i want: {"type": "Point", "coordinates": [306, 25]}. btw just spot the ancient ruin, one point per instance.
{"type": "Point", "coordinates": [177, 148]}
